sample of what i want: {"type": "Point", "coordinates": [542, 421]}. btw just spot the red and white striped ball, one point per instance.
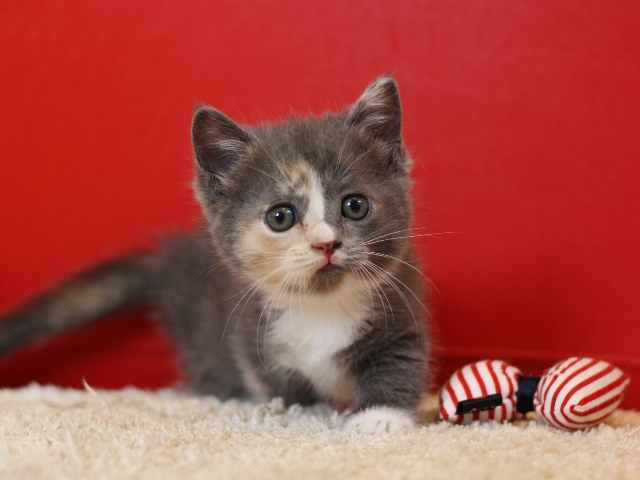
{"type": "Point", "coordinates": [579, 393]}
{"type": "Point", "coordinates": [478, 380]}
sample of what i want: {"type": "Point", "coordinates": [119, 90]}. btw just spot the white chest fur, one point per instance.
{"type": "Point", "coordinates": [312, 329]}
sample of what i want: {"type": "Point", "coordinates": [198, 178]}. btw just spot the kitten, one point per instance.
{"type": "Point", "coordinates": [302, 283]}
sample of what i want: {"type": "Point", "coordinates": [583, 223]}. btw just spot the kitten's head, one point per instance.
{"type": "Point", "coordinates": [301, 205]}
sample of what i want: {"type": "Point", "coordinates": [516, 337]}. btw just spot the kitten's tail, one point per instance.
{"type": "Point", "coordinates": [113, 286]}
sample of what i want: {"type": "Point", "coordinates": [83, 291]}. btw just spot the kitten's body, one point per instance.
{"type": "Point", "coordinates": [326, 309]}
{"type": "Point", "coordinates": [315, 342]}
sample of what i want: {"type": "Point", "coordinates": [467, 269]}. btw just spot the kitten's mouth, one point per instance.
{"type": "Point", "coordinates": [330, 272]}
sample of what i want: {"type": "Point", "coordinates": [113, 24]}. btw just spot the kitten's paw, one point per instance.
{"type": "Point", "coordinates": [380, 420]}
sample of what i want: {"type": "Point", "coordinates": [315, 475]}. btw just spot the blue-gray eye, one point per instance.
{"type": "Point", "coordinates": [355, 207]}
{"type": "Point", "coordinates": [281, 218]}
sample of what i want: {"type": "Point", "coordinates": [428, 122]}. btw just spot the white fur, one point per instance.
{"type": "Point", "coordinates": [309, 330]}
{"type": "Point", "coordinates": [381, 420]}
{"type": "Point", "coordinates": [313, 328]}
{"type": "Point", "coordinates": [318, 231]}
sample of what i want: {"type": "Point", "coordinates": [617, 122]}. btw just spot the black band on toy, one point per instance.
{"type": "Point", "coordinates": [527, 386]}
{"type": "Point", "coordinates": [476, 404]}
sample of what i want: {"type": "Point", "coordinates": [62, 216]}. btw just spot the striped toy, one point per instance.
{"type": "Point", "coordinates": [573, 394]}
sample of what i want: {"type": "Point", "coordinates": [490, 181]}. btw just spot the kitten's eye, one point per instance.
{"type": "Point", "coordinates": [281, 218]}
{"type": "Point", "coordinates": [355, 207]}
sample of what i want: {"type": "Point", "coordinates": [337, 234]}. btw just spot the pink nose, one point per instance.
{"type": "Point", "coordinates": [326, 248]}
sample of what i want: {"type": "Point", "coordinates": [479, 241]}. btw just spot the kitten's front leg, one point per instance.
{"type": "Point", "coordinates": [389, 389]}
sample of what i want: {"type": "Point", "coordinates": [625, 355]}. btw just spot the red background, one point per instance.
{"type": "Point", "coordinates": [522, 118]}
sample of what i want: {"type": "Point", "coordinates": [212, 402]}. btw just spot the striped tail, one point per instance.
{"type": "Point", "coordinates": [113, 286]}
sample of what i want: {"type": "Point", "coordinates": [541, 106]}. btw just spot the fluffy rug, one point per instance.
{"type": "Point", "coordinates": [48, 432]}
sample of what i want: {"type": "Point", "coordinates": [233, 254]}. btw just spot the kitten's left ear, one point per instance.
{"type": "Point", "coordinates": [378, 111]}
{"type": "Point", "coordinates": [218, 142]}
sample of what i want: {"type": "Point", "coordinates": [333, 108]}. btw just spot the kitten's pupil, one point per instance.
{"type": "Point", "coordinates": [279, 217]}
{"type": "Point", "coordinates": [355, 205]}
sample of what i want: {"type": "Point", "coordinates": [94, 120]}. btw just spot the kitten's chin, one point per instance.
{"type": "Point", "coordinates": [327, 278]}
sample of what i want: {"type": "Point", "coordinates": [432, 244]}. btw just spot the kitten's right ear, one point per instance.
{"type": "Point", "coordinates": [218, 142]}
{"type": "Point", "coordinates": [378, 111]}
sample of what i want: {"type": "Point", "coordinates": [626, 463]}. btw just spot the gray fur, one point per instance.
{"type": "Point", "coordinates": [204, 284]}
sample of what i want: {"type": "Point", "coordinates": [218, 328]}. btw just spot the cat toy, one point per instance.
{"type": "Point", "coordinates": [573, 394]}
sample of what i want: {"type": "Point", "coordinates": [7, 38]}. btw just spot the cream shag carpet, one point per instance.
{"type": "Point", "coordinates": [48, 432]}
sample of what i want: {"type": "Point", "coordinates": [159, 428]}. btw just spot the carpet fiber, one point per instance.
{"type": "Point", "coordinates": [48, 432]}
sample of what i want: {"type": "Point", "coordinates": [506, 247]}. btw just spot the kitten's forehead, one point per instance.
{"type": "Point", "coordinates": [316, 142]}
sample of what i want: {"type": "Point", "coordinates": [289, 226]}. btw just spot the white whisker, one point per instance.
{"type": "Point", "coordinates": [372, 237]}
{"type": "Point", "coordinates": [253, 287]}
{"type": "Point", "coordinates": [395, 287]}
{"type": "Point", "coordinates": [378, 290]}
{"type": "Point", "coordinates": [283, 283]}
{"type": "Point", "coordinates": [267, 174]}
{"type": "Point", "coordinates": [260, 318]}
{"type": "Point", "coordinates": [211, 268]}
{"type": "Point", "coordinates": [269, 155]}
{"type": "Point", "coordinates": [408, 265]}
{"type": "Point", "coordinates": [373, 306]}
{"type": "Point", "coordinates": [408, 236]}
{"type": "Point", "coordinates": [410, 291]}
{"type": "Point", "coordinates": [338, 165]}
{"type": "Point", "coordinates": [352, 163]}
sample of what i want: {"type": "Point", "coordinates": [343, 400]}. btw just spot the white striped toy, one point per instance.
{"type": "Point", "coordinates": [573, 394]}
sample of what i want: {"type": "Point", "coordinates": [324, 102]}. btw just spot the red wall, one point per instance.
{"type": "Point", "coordinates": [522, 117]}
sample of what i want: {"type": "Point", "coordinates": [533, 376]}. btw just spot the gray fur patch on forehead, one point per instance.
{"type": "Point", "coordinates": [321, 142]}
{"type": "Point", "coordinates": [312, 139]}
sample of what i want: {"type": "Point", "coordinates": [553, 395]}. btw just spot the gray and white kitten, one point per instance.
{"type": "Point", "coordinates": [302, 285]}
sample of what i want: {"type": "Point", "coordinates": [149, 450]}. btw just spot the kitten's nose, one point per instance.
{"type": "Point", "coordinates": [326, 248]}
